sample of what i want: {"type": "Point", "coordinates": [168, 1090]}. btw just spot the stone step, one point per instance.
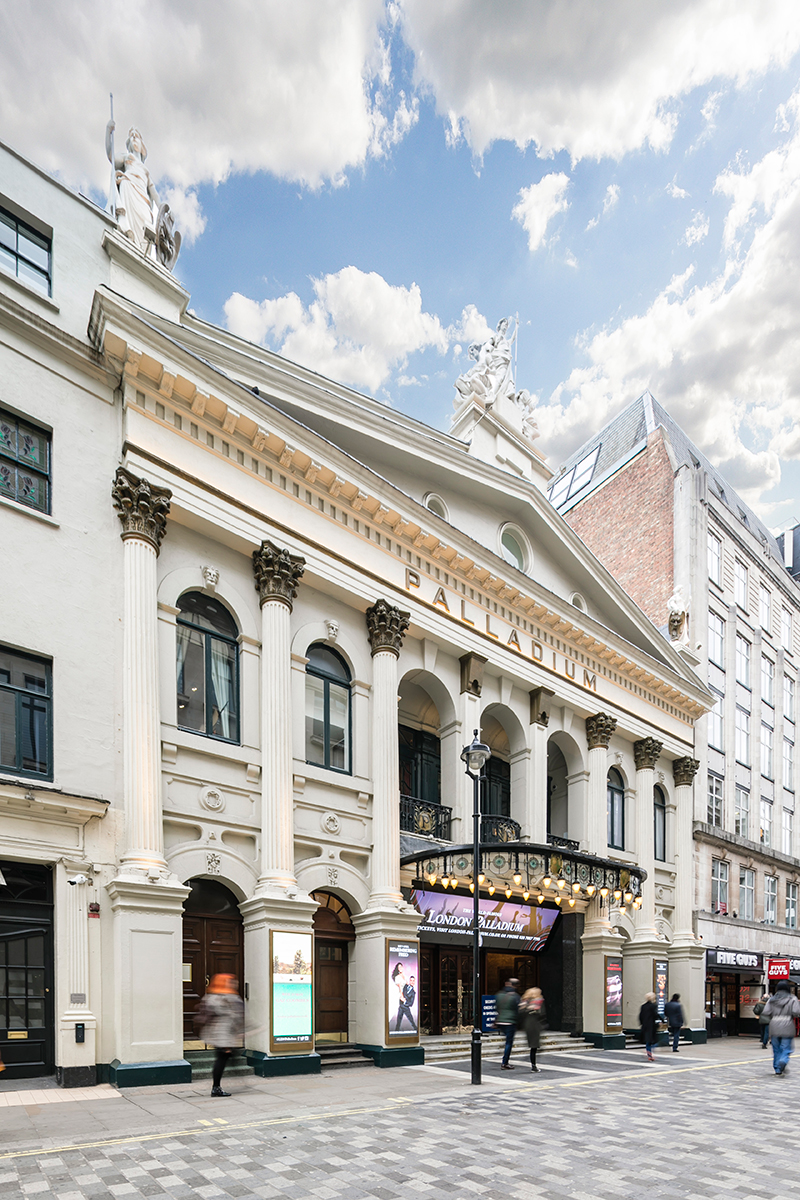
{"type": "Point", "coordinates": [202, 1064]}
{"type": "Point", "coordinates": [342, 1056]}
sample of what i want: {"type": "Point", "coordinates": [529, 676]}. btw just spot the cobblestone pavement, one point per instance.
{"type": "Point", "coordinates": [712, 1122]}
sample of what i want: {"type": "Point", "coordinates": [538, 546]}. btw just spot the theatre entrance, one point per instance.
{"type": "Point", "coordinates": [333, 933]}
{"type": "Point", "coordinates": [213, 944]}
{"type": "Point", "coordinates": [26, 970]}
{"type": "Point", "coordinates": [446, 983]}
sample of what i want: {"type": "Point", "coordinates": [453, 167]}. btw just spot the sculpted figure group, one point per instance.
{"type": "Point", "coordinates": [140, 214]}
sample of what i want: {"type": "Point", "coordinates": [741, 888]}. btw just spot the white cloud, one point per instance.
{"type": "Point", "coordinates": [610, 200]}
{"type": "Point", "coordinates": [473, 326]}
{"type": "Point", "coordinates": [357, 329]}
{"type": "Point", "coordinates": [676, 192]}
{"type": "Point", "coordinates": [593, 79]}
{"type": "Point", "coordinates": [722, 356]}
{"type": "Point", "coordinates": [697, 230]}
{"type": "Point", "coordinates": [538, 204]}
{"type": "Point", "coordinates": [240, 87]}
{"type": "Point", "coordinates": [188, 215]}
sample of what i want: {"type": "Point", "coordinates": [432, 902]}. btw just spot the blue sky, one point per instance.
{"type": "Point", "coordinates": [347, 173]}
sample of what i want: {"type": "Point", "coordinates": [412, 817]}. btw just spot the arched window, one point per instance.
{"type": "Point", "coordinates": [327, 709]}
{"type": "Point", "coordinates": [659, 824]}
{"type": "Point", "coordinates": [615, 790]}
{"type": "Point", "coordinates": [436, 505]}
{"type": "Point", "coordinates": [208, 668]}
{"type": "Point", "coordinates": [514, 547]}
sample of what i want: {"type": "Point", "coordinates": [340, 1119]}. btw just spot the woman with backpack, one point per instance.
{"type": "Point", "coordinates": [782, 1009]}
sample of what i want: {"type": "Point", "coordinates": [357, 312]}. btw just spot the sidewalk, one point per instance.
{"type": "Point", "coordinates": [38, 1113]}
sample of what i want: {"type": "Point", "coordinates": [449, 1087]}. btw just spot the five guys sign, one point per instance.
{"type": "Point", "coordinates": [778, 968]}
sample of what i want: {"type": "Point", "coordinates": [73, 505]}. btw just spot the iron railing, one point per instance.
{"type": "Point", "coordinates": [499, 829]}
{"type": "Point", "coordinates": [424, 819]}
{"type": "Point", "coordinates": [562, 843]}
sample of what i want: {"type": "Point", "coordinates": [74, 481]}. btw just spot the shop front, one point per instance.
{"type": "Point", "coordinates": [734, 984]}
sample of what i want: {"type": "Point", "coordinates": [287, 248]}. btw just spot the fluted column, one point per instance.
{"type": "Point", "coordinates": [386, 628]}
{"type": "Point", "coordinates": [142, 509]}
{"type": "Point", "coordinates": [277, 575]}
{"type": "Point", "coordinates": [684, 771]}
{"type": "Point", "coordinates": [646, 754]}
{"type": "Point", "coordinates": [599, 731]}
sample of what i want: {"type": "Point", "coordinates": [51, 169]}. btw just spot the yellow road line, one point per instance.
{"type": "Point", "coordinates": [392, 1106]}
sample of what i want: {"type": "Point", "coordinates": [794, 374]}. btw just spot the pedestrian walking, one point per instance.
{"type": "Point", "coordinates": [763, 1019]}
{"type": "Point", "coordinates": [673, 1012]}
{"type": "Point", "coordinates": [220, 1018]}
{"type": "Point", "coordinates": [648, 1019]}
{"type": "Point", "coordinates": [782, 1009]}
{"type": "Point", "coordinates": [532, 1019]}
{"type": "Point", "coordinates": [507, 1016]}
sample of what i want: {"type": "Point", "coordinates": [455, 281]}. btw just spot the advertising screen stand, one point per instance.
{"type": "Point", "coordinates": [386, 956]}
{"type": "Point", "coordinates": [603, 991]}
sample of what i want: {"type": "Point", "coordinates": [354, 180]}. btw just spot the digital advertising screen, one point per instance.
{"type": "Point", "coordinates": [504, 924]}
{"type": "Point", "coordinates": [613, 993]}
{"type": "Point", "coordinates": [292, 1009]}
{"type": "Point", "coordinates": [661, 984]}
{"type": "Point", "coordinates": [402, 990]}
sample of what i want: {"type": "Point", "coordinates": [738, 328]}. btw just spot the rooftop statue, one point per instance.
{"type": "Point", "coordinates": [492, 376]}
{"type": "Point", "coordinates": [139, 213]}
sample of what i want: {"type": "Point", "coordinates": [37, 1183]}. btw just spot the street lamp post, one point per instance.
{"type": "Point", "coordinates": [475, 757]}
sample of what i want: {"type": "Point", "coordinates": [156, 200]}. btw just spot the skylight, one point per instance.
{"type": "Point", "coordinates": [574, 480]}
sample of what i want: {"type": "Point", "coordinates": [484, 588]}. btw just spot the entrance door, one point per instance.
{"type": "Point", "coordinates": [26, 971]}
{"type": "Point", "coordinates": [455, 979]}
{"type": "Point", "coordinates": [213, 944]}
{"type": "Point", "coordinates": [333, 931]}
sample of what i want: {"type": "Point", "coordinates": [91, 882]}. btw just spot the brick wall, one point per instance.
{"type": "Point", "coordinates": [628, 523]}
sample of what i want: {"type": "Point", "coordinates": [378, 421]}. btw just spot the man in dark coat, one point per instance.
{"type": "Point", "coordinates": [648, 1019]}
{"type": "Point", "coordinates": [673, 1013]}
{"type": "Point", "coordinates": [507, 1014]}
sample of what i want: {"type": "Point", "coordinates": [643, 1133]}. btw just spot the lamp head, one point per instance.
{"type": "Point", "coordinates": [475, 756]}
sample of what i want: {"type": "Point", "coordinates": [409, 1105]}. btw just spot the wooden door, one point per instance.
{"type": "Point", "coordinates": [27, 1024]}
{"type": "Point", "coordinates": [455, 989]}
{"type": "Point", "coordinates": [211, 946]}
{"type": "Point", "coordinates": [330, 990]}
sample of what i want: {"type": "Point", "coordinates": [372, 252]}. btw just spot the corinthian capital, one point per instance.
{"type": "Point", "coordinates": [386, 627]}
{"type": "Point", "coordinates": [277, 573]}
{"type": "Point", "coordinates": [684, 771]}
{"type": "Point", "coordinates": [599, 730]}
{"type": "Point", "coordinates": [646, 753]}
{"type": "Point", "coordinates": [141, 507]}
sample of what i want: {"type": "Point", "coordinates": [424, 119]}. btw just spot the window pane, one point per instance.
{"type": "Point", "coordinates": [320, 658]}
{"type": "Point", "coordinates": [207, 613]}
{"type": "Point", "coordinates": [36, 952]}
{"type": "Point", "coordinates": [7, 259]}
{"type": "Point", "coordinates": [8, 729]}
{"type": "Point", "coordinates": [339, 727]}
{"type": "Point", "coordinates": [33, 733]}
{"type": "Point", "coordinates": [222, 692]}
{"type": "Point", "coordinates": [33, 447]}
{"type": "Point", "coordinates": [512, 550]}
{"type": "Point", "coordinates": [8, 232]}
{"type": "Point", "coordinates": [191, 679]}
{"type": "Point", "coordinates": [315, 720]}
{"type": "Point", "coordinates": [34, 248]}
{"type": "Point", "coordinates": [35, 1014]}
{"type": "Point", "coordinates": [36, 278]}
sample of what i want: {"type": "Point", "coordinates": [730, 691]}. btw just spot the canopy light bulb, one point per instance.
{"type": "Point", "coordinates": [617, 894]}
{"type": "Point", "coordinates": [622, 908]}
{"type": "Point", "coordinates": [557, 899]}
{"type": "Point", "coordinates": [628, 897]}
{"type": "Point", "coordinates": [576, 887]}
{"type": "Point", "coordinates": [432, 879]}
{"type": "Point", "coordinates": [508, 892]}
{"type": "Point", "coordinates": [604, 892]}
{"type": "Point", "coordinates": [472, 887]}
{"type": "Point", "coordinates": [517, 878]}
{"type": "Point", "coordinates": [491, 889]}
{"type": "Point", "coordinates": [562, 883]}
{"type": "Point", "coordinates": [572, 901]}
{"type": "Point", "coordinates": [454, 883]}
{"type": "Point", "coordinates": [546, 881]}
{"type": "Point", "coordinates": [590, 890]}
{"type": "Point", "coordinates": [445, 881]}
{"type": "Point", "coordinates": [540, 898]}
{"type": "Point", "coordinates": [526, 895]}
{"type": "Point", "coordinates": [481, 877]}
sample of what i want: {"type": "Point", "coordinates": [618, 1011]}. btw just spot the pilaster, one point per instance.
{"type": "Point", "coordinates": [369, 977]}
{"type": "Point", "coordinates": [599, 731]}
{"type": "Point", "coordinates": [646, 754]}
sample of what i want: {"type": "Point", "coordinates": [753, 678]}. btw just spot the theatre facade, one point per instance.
{"type": "Point", "coordinates": [256, 618]}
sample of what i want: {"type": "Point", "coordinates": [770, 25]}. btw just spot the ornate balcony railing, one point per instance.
{"type": "Point", "coordinates": [563, 843]}
{"type": "Point", "coordinates": [424, 819]}
{"type": "Point", "coordinates": [499, 829]}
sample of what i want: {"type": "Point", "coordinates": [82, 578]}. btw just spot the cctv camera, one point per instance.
{"type": "Point", "coordinates": [78, 879]}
